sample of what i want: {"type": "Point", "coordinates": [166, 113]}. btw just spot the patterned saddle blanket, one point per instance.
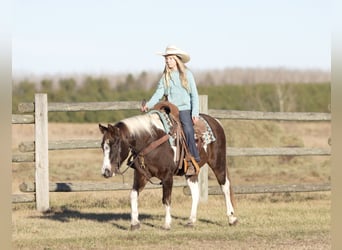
{"type": "Point", "coordinates": [203, 132]}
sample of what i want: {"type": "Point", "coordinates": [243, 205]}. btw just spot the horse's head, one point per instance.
{"type": "Point", "coordinates": [115, 149]}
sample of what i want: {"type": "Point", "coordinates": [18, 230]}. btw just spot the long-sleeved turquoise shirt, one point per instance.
{"type": "Point", "coordinates": [177, 94]}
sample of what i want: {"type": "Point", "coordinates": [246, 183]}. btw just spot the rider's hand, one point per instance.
{"type": "Point", "coordinates": [195, 119]}
{"type": "Point", "coordinates": [144, 108]}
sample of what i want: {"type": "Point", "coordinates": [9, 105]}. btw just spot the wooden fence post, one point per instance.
{"type": "Point", "coordinates": [41, 152]}
{"type": "Point", "coordinates": [203, 175]}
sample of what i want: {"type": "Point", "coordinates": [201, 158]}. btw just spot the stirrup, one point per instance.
{"type": "Point", "coordinates": [190, 169]}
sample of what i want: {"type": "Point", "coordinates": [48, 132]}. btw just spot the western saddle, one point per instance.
{"type": "Point", "coordinates": [183, 156]}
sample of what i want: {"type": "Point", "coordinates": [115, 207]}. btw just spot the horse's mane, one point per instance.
{"type": "Point", "coordinates": [142, 123]}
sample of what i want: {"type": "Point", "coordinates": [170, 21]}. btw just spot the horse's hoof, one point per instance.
{"type": "Point", "coordinates": [166, 227]}
{"type": "Point", "coordinates": [232, 220]}
{"type": "Point", "coordinates": [135, 227]}
{"type": "Point", "coordinates": [190, 224]}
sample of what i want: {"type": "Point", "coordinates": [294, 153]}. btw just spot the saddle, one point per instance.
{"type": "Point", "coordinates": [183, 156]}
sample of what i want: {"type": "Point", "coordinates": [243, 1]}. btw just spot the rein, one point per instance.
{"type": "Point", "coordinates": [154, 145]}
{"type": "Point", "coordinates": [139, 157]}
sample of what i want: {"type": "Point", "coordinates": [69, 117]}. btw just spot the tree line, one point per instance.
{"type": "Point", "coordinates": [268, 97]}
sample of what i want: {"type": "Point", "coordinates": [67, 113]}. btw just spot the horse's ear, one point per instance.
{"type": "Point", "coordinates": [114, 130]}
{"type": "Point", "coordinates": [111, 128]}
{"type": "Point", "coordinates": [102, 128]}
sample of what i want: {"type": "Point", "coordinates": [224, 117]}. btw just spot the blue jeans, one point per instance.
{"type": "Point", "coordinates": [189, 132]}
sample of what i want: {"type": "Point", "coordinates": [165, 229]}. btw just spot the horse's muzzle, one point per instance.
{"type": "Point", "coordinates": [107, 173]}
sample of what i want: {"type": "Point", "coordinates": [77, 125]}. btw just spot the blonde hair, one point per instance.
{"type": "Point", "coordinates": [182, 74]}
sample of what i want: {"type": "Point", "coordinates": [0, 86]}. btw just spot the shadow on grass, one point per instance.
{"type": "Point", "coordinates": [67, 215]}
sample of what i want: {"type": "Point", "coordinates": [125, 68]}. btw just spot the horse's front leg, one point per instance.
{"type": "Point", "coordinates": [138, 184]}
{"type": "Point", "coordinates": [167, 190]}
{"type": "Point", "coordinates": [194, 189]}
{"type": "Point", "coordinates": [135, 223]}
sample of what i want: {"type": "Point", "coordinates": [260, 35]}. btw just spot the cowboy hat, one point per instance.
{"type": "Point", "coordinates": [173, 50]}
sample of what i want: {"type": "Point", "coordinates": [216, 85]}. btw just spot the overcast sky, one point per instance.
{"type": "Point", "coordinates": [103, 36]}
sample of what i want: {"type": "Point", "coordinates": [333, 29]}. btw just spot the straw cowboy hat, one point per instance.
{"type": "Point", "coordinates": [173, 50]}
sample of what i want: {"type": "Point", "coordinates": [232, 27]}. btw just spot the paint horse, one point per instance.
{"type": "Point", "coordinates": [133, 135]}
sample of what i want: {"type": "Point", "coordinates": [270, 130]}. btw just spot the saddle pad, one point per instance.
{"type": "Point", "coordinates": [165, 119]}
{"type": "Point", "coordinates": [207, 135]}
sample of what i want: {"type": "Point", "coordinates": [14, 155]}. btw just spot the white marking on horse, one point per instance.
{"type": "Point", "coordinates": [229, 205]}
{"type": "Point", "coordinates": [134, 208]}
{"type": "Point", "coordinates": [174, 148]}
{"type": "Point", "coordinates": [194, 188]}
{"type": "Point", "coordinates": [167, 217]}
{"type": "Point", "coordinates": [106, 159]}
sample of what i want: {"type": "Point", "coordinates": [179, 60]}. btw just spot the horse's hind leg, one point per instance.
{"type": "Point", "coordinates": [221, 173]}
{"type": "Point", "coordinates": [216, 153]}
{"type": "Point", "coordinates": [227, 191]}
{"type": "Point", "coordinates": [194, 189]}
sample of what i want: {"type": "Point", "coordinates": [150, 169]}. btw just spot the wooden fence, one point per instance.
{"type": "Point", "coordinates": [37, 151]}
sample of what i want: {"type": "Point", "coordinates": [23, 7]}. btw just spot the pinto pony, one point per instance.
{"type": "Point", "coordinates": [133, 135]}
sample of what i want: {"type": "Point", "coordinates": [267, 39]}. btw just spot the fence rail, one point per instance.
{"type": "Point", "coordinates": [217, 113]}
{"type": "Point", "coordinates": [212, 190]}
{"type": "Point", "coordinates": [276, 116]}
{"type": "Point", "coordinates": [88, 186]}
{"type": "Point", "coordinates": [22, 119]}
{"type": "Point", "coordinates": [41, 187]}
{"type": "Point", "coordinates": [260, 189]}
{"type": "Point", "coordinates": [231, 151]}
{"type": "Point", "coordinates": [81, 106]}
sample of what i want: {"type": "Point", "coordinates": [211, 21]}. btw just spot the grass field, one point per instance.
{"type": "Point", "coordinates": [101, 220]}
